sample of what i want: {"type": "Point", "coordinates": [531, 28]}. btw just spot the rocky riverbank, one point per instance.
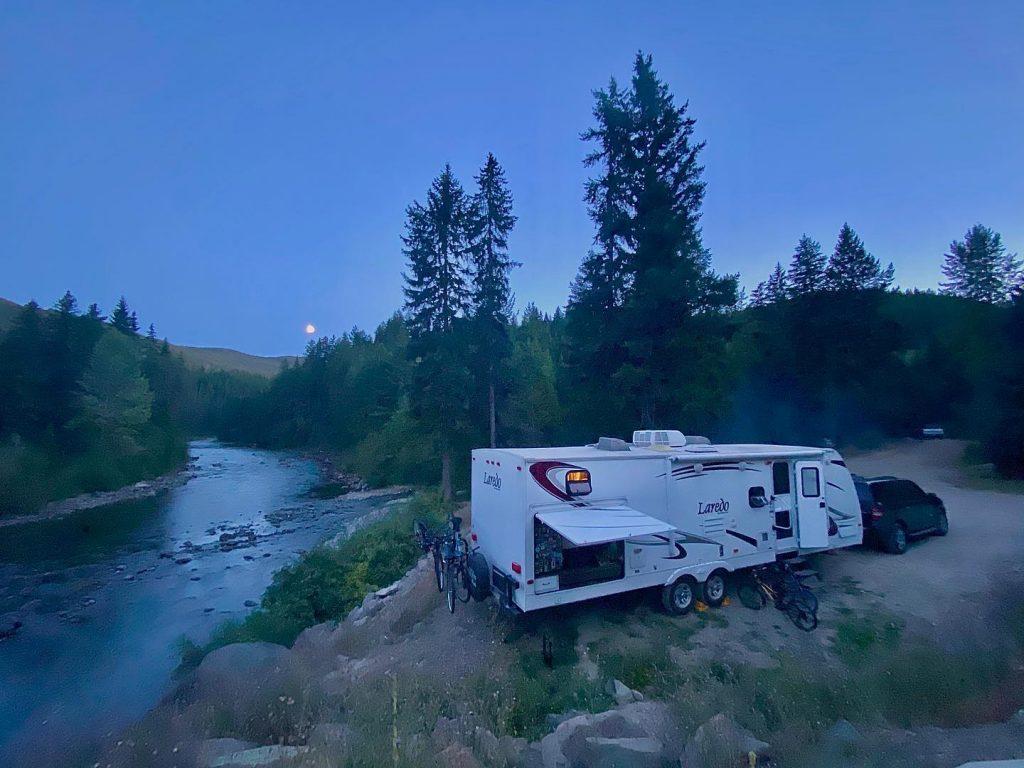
{"type": "Point", "coordinates": [141, 490]}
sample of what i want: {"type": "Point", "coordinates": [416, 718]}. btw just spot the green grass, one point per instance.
{"type": "Point", "coordinates": [858, 636]}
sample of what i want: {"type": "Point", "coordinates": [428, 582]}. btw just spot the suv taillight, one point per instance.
{"type": "Point", "coordinates": [877, 510]}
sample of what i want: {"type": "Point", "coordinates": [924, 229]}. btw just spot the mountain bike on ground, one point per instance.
{"type": "Point", "coordinates": [778, 583]}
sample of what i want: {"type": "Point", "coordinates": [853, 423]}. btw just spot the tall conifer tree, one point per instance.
{"type": "Point", "coordinates": [807, 269]}
{"type": "Point", "coordinates": [852, 268]}
{"type": "Point", "coordinates": [492, 301]}
{"type": "Point", "coordinates": [436, 245]}
{"type": "Point", "coordinates": [121, 317]}
{"type": "Point", "coordinates": [980, 268]}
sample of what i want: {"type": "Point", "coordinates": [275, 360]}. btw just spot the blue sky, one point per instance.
{"type": "Point", "coordinates": [240, 169]}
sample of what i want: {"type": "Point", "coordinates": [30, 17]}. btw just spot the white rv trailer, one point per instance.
{"type": "Point", "coordinates": [560, 525]}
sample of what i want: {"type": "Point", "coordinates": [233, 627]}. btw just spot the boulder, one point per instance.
{"type": "Point", "coordinates": [567, 744]}
{"type": "Point", "coordinates": [272, 756]}
{"type": "Point", "coordinates": [334, 739]}
{"type": "Point", "coordinates": [246, 681]}
{"type": "Point", "coordinates": [629, 752]}
{"type": "Point", "coordinates": [458, 756]}
{"type": "Point", "coordinates": [622, 693]}
{"type": "Point", "coordinates": [720, 741]}
{"type": "Point", "coordinates": [214, 749]}
{"type": "Point", "coordinates": [842, 732]}
{"type": "Point", "coordinates": [316, 642]}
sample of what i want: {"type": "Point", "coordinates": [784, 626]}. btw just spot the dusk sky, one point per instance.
{"type": "Point", "coordinates": [239, 170]}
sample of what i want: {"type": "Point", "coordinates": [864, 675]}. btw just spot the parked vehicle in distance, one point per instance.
{"type": "Point", "coordinates": [895, 510]}
{"type": "Point", "coordinates": [933, 433]}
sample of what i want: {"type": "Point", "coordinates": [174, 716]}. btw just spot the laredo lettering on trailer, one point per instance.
{"type": "Point", "coordinates": [712, 507]}
{"type": "Point", "coordinates": [493, 480]}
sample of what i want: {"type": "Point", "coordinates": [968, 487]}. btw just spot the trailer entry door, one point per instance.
{"type": "Point", "coordinates": [812, 513]}
{"type": "Point", "coordinates": [600, 524]}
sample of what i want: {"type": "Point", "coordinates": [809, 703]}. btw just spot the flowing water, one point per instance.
{"type": "Point", "coordinates": [105, 595]}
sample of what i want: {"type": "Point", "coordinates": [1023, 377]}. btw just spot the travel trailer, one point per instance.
{"type": "Point", "coordinates": [559, 525]}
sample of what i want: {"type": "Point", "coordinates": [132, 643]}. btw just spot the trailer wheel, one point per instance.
{"type": "Point", "coordinates": [479, 574]}
{"type": "Point", "coordinates": [679, 596]}
{"type": "Point", "coordinates": [713, 590]}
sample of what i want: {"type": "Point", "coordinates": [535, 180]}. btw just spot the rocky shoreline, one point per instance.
{"type": "Point", "coordinates": [143, 489]}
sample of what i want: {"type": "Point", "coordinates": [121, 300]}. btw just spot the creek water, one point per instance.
{"type": "Point", "coordinates": [105, 596]}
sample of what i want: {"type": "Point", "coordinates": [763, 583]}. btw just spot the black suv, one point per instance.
{"type": "Point", "coordinates": [894, 510]}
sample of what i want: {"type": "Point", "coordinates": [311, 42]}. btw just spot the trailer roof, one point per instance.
{"type": "Point", "coordinates": [697, 453]}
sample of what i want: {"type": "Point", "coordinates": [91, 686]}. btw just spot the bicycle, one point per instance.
{"type": "Point", "coordinates": [789, 595]}
{"type": "Point", "coordinates": [454, 564]}
{"type": "Point", "coordinates": [430, 543]}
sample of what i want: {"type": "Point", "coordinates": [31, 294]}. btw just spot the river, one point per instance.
{"type": "Point", "coordinates": [106, 595]}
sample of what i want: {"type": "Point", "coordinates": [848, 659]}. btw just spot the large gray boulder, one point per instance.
{"type": "Point", "coordinates": [274, 756]}
{"type": "Point", "coordinates": [214, 749]}
{"type": "Point", "coordinates": [720, 742]}
{"type": "Point", "coordinates": [245, 662]}
{"type": "Point", "coordinates": [629, 736]}
{"type": "Point", "coordinates": [622, 693]}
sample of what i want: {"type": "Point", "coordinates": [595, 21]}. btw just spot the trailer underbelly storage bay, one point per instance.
{"type": "Point", "coordinates": [560, 525]}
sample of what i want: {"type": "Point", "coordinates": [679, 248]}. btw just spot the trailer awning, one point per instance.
{"type": "Point", "coordinates": [601, 523]}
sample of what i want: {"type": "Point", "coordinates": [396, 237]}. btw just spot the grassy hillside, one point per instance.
{"type": "Point", "coordinates": [211, 358]}
{"type": "Point", "coordinates": [219, 359]}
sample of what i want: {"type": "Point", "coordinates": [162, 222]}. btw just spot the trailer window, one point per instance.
{"type": "Point", "coordinates": [780, 478]}
{"type": "Point", "coordinates": [810, 486]}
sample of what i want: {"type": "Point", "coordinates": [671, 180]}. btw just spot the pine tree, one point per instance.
{"type": "Point", "coordinates": [67, 304]}
{"type": "Point", "coordinates": [852, 268]}
{"type": "Point", "coordinates": [121, 318]}
{"type": "Point", "coordinates": [133, 323]}
{"type": "Point", "coordinates": [759, 295]}
{"type": "Point", "coordinates": [151, 333]}
{"type": "Point", "coordinates": [648, 272]}
{"type": "Point", "coordinates": [776, 288]}
{"type": "Point", "coordinates": [807, 269]}
{"type": "Point", "coordinates": [436, 244]}
{"type": "Point", "coordinates": [980, 268]}
{"type": "Point", "coordinates": [93, 313]}
{"type": "Point", "coordinates": [491, 221]}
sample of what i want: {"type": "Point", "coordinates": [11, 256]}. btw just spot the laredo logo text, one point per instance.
{"type": "Point", "coordinates": [712, 507]}
{"type": "Point", "coordinates": [493, 480]}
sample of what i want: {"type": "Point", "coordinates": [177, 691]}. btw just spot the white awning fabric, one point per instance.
{"type": "Point", "coordinates": [601, 523]}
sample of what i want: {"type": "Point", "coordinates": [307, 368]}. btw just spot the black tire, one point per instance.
{"type": "Point", "coordinates": [680, 596]}
{"type": "Point", "coordinates": [462, 583]}
{"type": "Point", "coordinates": [802, 616]}
{"type": "Point", "coordinates": [449, 583]}
{"type": "Point", "coordinates": [751, 595]}
{"type": "Point", "coordinates": [479, 577]}
{"type": "Point", "coordinates": [896, 542]}
{"type": "Point", "coordinates": [438, 573]}
{"type": "Point", "coordinates": [713, 590]}
{"type": "Point", "coordinates": [806, 596]}
{"type": "Point", "coordinates": [941, 523]}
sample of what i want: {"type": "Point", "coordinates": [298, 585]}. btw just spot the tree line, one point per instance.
{"type": "Point", "coordinates": [89, 404]}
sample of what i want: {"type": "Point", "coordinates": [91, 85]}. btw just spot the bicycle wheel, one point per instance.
{"type": "Point", "coordinates": [449, 583]}
{"type": "Point", "coordinates": [462, 583]}
{"type": "Point", "coordinates": [438, 573]}
{"type": "Point", "coordinates": [810, 599]}
{"type": "Point", "coordinates": [802, 617]}
{"type": "Point", "coordinates": [751, 595]}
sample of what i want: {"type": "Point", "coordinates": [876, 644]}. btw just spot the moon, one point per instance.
{"type": "Point", "coordinates": [310, 328]}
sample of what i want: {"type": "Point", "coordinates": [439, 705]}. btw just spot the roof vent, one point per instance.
{"type": "Point", "coordinates": [662, 439]}
{"type": "Point", "coordinates": [611, 444]}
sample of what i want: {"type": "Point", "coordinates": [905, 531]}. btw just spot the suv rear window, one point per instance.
{"type": "Point", "coordinates": [897, 493]}
{"type": "Point", "coordinates": [864, 492]}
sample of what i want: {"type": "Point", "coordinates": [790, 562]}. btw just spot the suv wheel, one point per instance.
{"type": "Point", "coordinates": [941, 523]}
{"type": "Point", "coordinates": [896, 543]}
